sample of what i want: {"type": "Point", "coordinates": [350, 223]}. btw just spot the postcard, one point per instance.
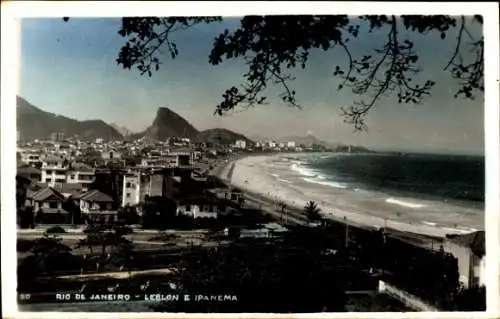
{"type": "Point", "coordinates": [306, 159]}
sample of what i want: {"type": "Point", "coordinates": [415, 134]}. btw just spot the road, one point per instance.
{"type": "Point", "coordinates": [119, 274]}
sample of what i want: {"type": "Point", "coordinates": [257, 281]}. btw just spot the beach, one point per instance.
{"type": "Point", "coordinates": [271, 176]}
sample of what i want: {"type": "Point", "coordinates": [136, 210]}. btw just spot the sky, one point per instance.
{"type": "Point", "coordinates": [69, 68]}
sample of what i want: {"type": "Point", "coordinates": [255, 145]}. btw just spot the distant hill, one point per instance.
{"type": "Point", "coordinates": [34, 123]}
{"type": "Point", "coordinates": [166, 124]}
{"type": "Point", "coordinates": [220, 136]}
{"type": "Point", "coordinates": [121, 129]}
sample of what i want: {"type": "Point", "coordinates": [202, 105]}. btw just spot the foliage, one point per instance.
{"type": "Point", "coordinates": [26, 217]}
{"type": "Point", "coordinates": [73, 209]}
{"type": "Point", "coordinates": [97, 236]}
{"type": "Point", "coordinates": [265, 277]}
{"type": "Point", "coordinates": [47, 255]}
{"type": "Point", "coordinates": [109, 182]}
{"type": "Point", "coordinates": [472, 299]}
{"type": "Point", "coordinates": [24, 245]}
{"type": "Point", "coordinates": [312, 211]}
{"type": "Point", "coordinates": [128, 215]}
{"type": "Point", "coordinates": [91, 157]}
{"type": "Point", "coordinates": [272, 46]}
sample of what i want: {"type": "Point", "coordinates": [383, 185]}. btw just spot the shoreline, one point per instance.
{"type": "Point", "coordinates": [248, 173]}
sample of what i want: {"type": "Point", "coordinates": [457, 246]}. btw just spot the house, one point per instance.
{"type": "Point", "coordinates": [73, 190]}
{"type": "Point", "coordinates": [54, 170]}
{"type": "Point", "coordinates": [198, 206]}
{"type": "Point", "coordinates": [97, 206]}
{"type": "Point", "coordinates": [80, 173]}
{"type": "Point", "coordinates": [111, 154]}
{"type": "Point", "coordinates": [182, 157]}
{"type": "Point", "coordinates": [469, 250]}
{"type": "Point", "coordinates": [29, 157]}
{"type": "Point", "coordinates": [47, 204]}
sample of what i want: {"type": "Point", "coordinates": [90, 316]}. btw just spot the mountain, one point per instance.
{"type": "Point", "coordinates": [34, 123]}
{"type": "Point", "coordinates": [121, 129]}
{"type": "Point", "coordinates": [167, 123]}
{"type": "Point", "coordinates": [220, 136]}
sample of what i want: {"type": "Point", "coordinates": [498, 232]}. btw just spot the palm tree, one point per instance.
{"type": "Point", "coordinates": [282, 206]}
{"type": "Point", "coordinates": [312, 210]}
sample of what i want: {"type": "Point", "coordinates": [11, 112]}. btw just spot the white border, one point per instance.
{"type": "Point", "coordinates": [10, 31]}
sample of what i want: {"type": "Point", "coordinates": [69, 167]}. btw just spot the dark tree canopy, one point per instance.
{"type": "Point", "coordinates": [272, 46]}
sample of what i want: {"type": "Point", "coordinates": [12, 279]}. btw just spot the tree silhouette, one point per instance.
{"type": "Point", "coordinates": [282, 206]}
{"type": "Point", "coordinates": [272, 46]}
{"type": "Point", "coordinates": [47, 251]}
{"type": "Point", "coordinates": [312, 211]}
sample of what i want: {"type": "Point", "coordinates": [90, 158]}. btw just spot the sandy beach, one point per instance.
{"type": "Point", "coordinates": [272, 177]}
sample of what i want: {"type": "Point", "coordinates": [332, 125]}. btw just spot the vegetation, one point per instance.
{"type": "Point", "coordinates": [312, 211]}
{"type": "Point", "coordinates": [272, 46]}
{"type": "Point", "coordinates": [26, 217]}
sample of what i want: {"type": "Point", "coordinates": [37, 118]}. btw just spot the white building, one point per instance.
{"type": "Point", "coordinates": [110, 155]}
{"type": "Point", "coordinates": [291, 144]}
{"type": "Point", "coordinates": [469, 250]}
{"type": "Point", "coordinates": [198, 207]}
{"type": "Point", "coordinates": [80, 173]}
{"type": "Point", "coordinates": [30, 157]}
{"type": "Point", "coordinates": [98, 140]}
{"type": "Point", "coordinates": [131, 190]}
{"type": "Point", "coordinates": [241, 144]}
{"type": "Point", "coordinates": [54, 170]}
{"type": "Point", "coordinates": [271, 144]}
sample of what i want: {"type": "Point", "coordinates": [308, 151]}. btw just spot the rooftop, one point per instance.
{"type": "Point", "coordinates": [475, 241]}
{"type": "Point", "coordinates": [45, 193]}
{"type": "Point", "coordinates": [96, 196]}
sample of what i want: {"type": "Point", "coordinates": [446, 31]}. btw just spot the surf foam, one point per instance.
{"type": "Point", "coordinates": [403, 203]}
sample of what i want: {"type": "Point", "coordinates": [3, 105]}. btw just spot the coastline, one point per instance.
{"type": "Point", "coordinates": [259, 174]}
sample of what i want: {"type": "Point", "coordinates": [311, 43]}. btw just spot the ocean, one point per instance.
{"type": "Point", "coordinates": [460, 179]}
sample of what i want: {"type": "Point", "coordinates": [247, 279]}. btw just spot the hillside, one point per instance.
{"type": "Point", "coordinates": [166, 124]}
{"type": "Point", "coordinates": [121, 129]}
{"type": "Point", "coordinates": [220, 136]}
{"type": "Point", "coordinates": [34, 123]}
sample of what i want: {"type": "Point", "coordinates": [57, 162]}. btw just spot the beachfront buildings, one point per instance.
{"type": "Point", "coordinates": [469, 250]}
{"type": "Point", "coordinates": [240, 144]}
{"type": "Point", "coordinates": [198, 207]}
